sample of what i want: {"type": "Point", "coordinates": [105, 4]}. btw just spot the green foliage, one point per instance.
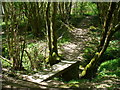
{"type": "Point", "coordinates": [26, 64]}
{"type": "Point", "coordinates": [73, 82]}
{"type": "Point", "coordinates": [31, 45]}
{"type": "Point", "coordinates": [64, 35]}
{"type": "Point", "coordinates": [65, 39]}
{"type": "Point", "coordinates": [88, 54]}
{"type": "Point", "coordinates": [5, 64]}
{"type": "Point", "coordinates": [75, 19]}
{"type": "Point", "coordinates": [113, 51]}
{"type": "Point", "coordinates": [85, 8]}
{"type": "Point", "coordinates": [91, 8]}
{"type": "Point", "coordinates": [92, 28]}
{"type": "Point", "coordinates": [111, 67]}
{"type": "Point", "coordinates": [37, 59]}
{"type": "Point", "coordinates": [116, 35]}
{"type": "Point", "coordinates": [5, 51]}
{"type": "Point", "coordinates": [2, 24]}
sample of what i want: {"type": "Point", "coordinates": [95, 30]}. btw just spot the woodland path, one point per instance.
{"type": "Point", "coordinates": [79, 40]}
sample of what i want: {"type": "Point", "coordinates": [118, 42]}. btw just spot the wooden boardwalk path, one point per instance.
{"type": "Point", "coordinates": [66, 69]}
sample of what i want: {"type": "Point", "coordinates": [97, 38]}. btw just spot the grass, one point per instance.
{"type": "Point", "coordinates": [5, 64]}
{"type": "Point", "coordinates": [111, 67]}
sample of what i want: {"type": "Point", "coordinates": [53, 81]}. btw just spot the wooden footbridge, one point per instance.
{"type": "Point", "coordinates": [67, 70]}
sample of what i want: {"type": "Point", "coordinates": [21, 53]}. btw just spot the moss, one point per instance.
{"type": "Point", "coordinates": [54, 54]}
{"type": "Point", "coordinates": [58, 58]}
{"type": "Point", "coordinates": [92, 28]}
{"type": "Point", "coordinates": [83, 73]}
{"type": "Point", "coordinates": [47, 59]}
{"type": "Point", "coordinates": [90, 65]}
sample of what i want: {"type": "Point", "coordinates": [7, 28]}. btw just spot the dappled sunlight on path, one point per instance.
{"type": "Point", "coordinates": [79, 40]}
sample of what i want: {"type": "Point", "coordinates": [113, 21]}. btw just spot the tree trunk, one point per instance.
{"type": "Point", "coordinates": [91, 68]}
{"type": "Point", "coordinates": [54, 36]}
{"type": "Point", "coordinates": [107, 24]}
{"type": "Point", "coordinates": [48, 26]}
{"type": "Point", "coordinates": [54, 28]}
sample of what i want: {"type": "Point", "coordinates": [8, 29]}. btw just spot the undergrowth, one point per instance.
{"type": "Point", "coordinates": [110, 67]}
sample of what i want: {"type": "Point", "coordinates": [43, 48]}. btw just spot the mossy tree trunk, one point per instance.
{"type": "Point", "coordinates": [107, 23]}
{"type": "Point", "coordinates": [54, 36]}
{"type": "Point", "coordinates": [52, 29]}
{"type": "Point", "coordinates": [48, 26]}
{"type": "Point", "coordinates": [91, 68]}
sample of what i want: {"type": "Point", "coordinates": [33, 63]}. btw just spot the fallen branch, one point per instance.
{"type": "Point", "coordinates": [5, 59]}
{"type": "Point", "coordinates": [61, 36]}
{"type": "Point", "coordinates": [70, 27]}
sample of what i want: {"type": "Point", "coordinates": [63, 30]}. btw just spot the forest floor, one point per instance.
{"type": "Point", "coordinates": [81, 37]}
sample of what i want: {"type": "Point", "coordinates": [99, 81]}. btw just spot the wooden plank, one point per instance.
{"type": "Point", "coordinates": [60, 68]}
{"type": "Point", "coordinates": [57, 70]}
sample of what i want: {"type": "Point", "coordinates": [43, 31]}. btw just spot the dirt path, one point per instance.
{"type": "Point", "coordinates": [79, 40]}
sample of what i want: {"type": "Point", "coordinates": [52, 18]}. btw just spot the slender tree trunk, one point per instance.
{"type": "Point", "coordinates": [107, 24]}
{"type": "Point", "coordinates": [48, 26]}
{"type": "Point", "coordinates": [54, 28]}
{"type": "Point", "coordinates": [52, 34]}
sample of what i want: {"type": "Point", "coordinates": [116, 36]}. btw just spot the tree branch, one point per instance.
{"type": "Point", "coordinates": [5, 59]}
